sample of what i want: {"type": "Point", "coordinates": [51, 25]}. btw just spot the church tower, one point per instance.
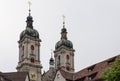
{"type": "Point", "coordinates": [64, 52]}
{"type": "Point", "coordinates": [29, 51]}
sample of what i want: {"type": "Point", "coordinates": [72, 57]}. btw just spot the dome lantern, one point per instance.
{"type": "Point", "coordinates": [64, 41]}
{"type": "Point", "coordinates": [29, 20]}
{"type": "Point", "coordinates": [29, 31]}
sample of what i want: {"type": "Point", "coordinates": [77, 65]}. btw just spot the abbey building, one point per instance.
{"type": "Point", "coordinates": [61, 66]}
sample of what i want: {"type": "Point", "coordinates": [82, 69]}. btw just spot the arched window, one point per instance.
{"type": "Point", "coordinates": [23, 48]}
{"type": "Point", "coordinates": [68, 68]}
{"type": "Point", "coordinates": [58, 57]}
{"type": "Point", "coordinates": [67, 57]}
{"type": "Point", "coordinates": [59, 60]}
{"type": "Point", "coordinates": [22, 57]}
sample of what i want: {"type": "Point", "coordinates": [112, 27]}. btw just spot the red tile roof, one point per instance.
{"type": "Point", "coordinates": [93, 72]}
{"type": "Point", "coordinates": [16, 76]}
{"type": "Point", "coordinates": [4, 78]}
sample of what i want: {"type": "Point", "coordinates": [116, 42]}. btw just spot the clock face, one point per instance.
{"type": "Point", "coordinates": [32, 47]}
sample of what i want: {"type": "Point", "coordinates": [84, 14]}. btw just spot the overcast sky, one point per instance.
{"type": "Point", "coordinates": [93, 27]}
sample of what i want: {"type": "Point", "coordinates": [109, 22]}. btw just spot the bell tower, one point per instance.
{"type": "Point", "coordinates": [29, 51]}
{"type": "Point", "coordinates": [64, 52]}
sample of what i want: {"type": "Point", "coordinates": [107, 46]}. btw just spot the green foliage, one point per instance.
{"type": "Point", "coordinates": [112, 73]}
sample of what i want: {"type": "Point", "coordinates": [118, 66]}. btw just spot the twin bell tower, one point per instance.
{"type": "Point", "coordinates": [29, 52]}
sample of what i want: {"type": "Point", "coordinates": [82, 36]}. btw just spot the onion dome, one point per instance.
{"type": "Point", "coordinates": [30, 31]}
{"type": "Point", "coordinates": [51, 61]}
{"type": "Point", "coordinates": [64, 41]}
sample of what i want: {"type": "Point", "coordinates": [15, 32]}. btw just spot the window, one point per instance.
{"type": "Point", "coordinates": [67, 57]}
{"type": "Point", "coordinates": [23, 48]}
{"type": "Point", "coordinates": [59, 60]}
{"type": "Point", "coordinates": [91, 68]}
{"type": "Point", "coordinates": [22, 57]}
{"type": "Point", "coordinates": [68, 68]}
{"type": "Point", "coordinates": [32, 47]}
{"type": "Point", "coordinates": [92, 76]}
{"type": "Point", "coordinates": [58, 57]}
{"type": "Point", "coordinates": [89, 78]}
{"type": "Point", "coordinates": [32, 60]}
{"type": "Point", "coordinates": [81, 79]}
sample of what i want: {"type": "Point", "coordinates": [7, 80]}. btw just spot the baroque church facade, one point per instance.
{"type": "Point", "coordinates": [61, 66]}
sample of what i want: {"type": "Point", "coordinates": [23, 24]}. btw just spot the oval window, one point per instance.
{"type": "Point", "coordinates": [32, 47]}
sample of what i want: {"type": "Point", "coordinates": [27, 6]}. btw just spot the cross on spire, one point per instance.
{"type": "Point", "coordinates": [29, 18]}
{"type": "Point", "coordinates": [63, 21]}
{"type": "Point", "coordinates": [29, 2]}
{"type": "Point", "coordinates": [51, 60]}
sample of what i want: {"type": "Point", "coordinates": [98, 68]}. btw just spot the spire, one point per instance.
{"type": "Point", "coordinates": [64, 30]}
{"type": "Point", "coordinates": [51, 60]}
{"type": "Point", "coordinates": [29, 18]}
{"type": "Point", "coordinates": [63, 21]}
{"type": "Point", "coordinates": [29, 8]}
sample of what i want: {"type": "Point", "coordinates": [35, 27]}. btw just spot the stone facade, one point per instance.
{"type": "Point", "coordinates": [29, 52]}
{"type": "Point", "coordinates": [62, 69]}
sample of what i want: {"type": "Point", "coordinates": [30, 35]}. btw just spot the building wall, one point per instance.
{"type": "Point", "coordinates": [59, 77]}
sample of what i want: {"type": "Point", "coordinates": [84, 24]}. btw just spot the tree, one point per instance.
{"type": "Point", "coordinates": [112, 73]}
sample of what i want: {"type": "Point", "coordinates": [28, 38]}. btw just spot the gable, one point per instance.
{"type": "Point", "coordinates": [49, 75]}
{"type": "Point", "coordinates": [59, 77]}
{"type": "Point", "coordinates": [27, 78]}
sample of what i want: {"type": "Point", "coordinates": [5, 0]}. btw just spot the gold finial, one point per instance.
{"type": "Point", "coordinates": [63, 21]}
{"type": "Point", "coordinates": [29, 2]}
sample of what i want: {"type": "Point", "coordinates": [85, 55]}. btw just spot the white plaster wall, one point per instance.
{"type": "Point", "coordinates": [27, 79]}
{"type": "Point", "coordinates": [36, 52]}
{"type": "Point", "coordinates": [62, 53]}
{"type": "Point", "coordinates": [59, 77]}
